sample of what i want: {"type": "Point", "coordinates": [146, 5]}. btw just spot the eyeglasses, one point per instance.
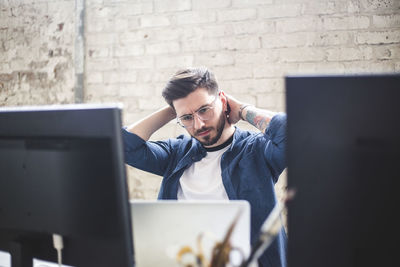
{"type": "Point", "coordinates": [204, 113]}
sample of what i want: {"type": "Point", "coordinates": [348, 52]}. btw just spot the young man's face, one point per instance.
{"type": "Point", "coordinates": [202, 115]}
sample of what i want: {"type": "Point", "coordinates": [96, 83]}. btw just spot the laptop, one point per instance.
{"type": "Point", "coordinates": [164, 228]}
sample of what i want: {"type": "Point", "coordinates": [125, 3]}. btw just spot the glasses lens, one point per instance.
{"type": "Point", "coordinates": [186, 121]}
{"type": "Point", "coordinates": [205, 113]}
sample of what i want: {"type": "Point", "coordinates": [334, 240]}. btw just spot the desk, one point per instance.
{"type": "Point", "coordinates": [5, 261]}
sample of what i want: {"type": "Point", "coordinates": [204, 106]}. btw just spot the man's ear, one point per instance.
{"type": "Point", "coordinates": [225, 105]}
{"type": "Point", "coordinates": [223, 100]}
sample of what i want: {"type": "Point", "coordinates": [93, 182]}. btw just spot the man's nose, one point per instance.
{"type": "Point", "coordinates": [197, 122]}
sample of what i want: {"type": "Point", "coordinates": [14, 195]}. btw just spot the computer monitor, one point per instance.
{"type": "Point", "coordinates": [343, 155]}
{"type": "Point", "coordinates": [62, 171]}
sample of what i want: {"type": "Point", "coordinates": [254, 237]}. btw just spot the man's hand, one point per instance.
{"type": "Point", "coordinates": [259, 118]}
{"type": "Point", "coordinates": [234, 106]}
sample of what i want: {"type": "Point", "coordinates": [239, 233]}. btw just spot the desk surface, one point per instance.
{"type": "Point", "coordinates": [5, 261]}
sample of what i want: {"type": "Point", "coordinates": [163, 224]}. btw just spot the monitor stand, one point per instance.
{"type": "Point", "coordinates": [21, 255]}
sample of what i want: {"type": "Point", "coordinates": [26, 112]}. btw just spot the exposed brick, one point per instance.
{"type": "Point", "coordinates": [102, 64]}
{"type": "Point", "coordinates": [353, 6]}
{"type": "Point", "coordinates": [195, 17]}
{"type": "Point", "coordinates": [131, 8]}
{"type": "Point", "coordinates": [151, 103]}
{"type": "Point", "coordinates": [346, 23]}
{"type": "Point", "coordinates": [232, 73]}
{"type": "Point", "coordinates": [175, 62]}
{"type": "Point", "coordinates": [103, 11]}
{"type": "Point", "coordinates": [162, 48]}
{"type": "Point", "coordinates": [102, 38]}
{"type": "Point", "coordinates": [299, 39]}
{"type": "Point", "coordinates": [383, 6]}
{"type": "Point", "coordinates": [258, 58]}
{"type": "Point", "coordinates": [172, 5]}
{"type": "Point", "coordinates": [386, 52]}
{"type": "Point", "coordinates": [136, 90]}
{"type": "Point", "coordinates": [253, 27]}
{"type": "Point", "coordinates": [107, 25]}
{"type": "Point", "coordinates": [287, 40]}
{"type": "Point", "coordinates": [275, 70]}
{"type": "Point", "coordinates": [269, 101]}
{"type": "Point", "coordinates": [144, 76]}
{"type": "Point", "coordinates": [132, 37]}
{"type": "Point", "coordinates": [397, 67]}
{"type": "Point", "coordinates": [193, 45]}
{"type": "Point", "coordinates": [130, 50]}
{"type": "Point", "coordinates": [332, 38]}
{"type": "Point", "coordinates": [119, 77]}
{"type": "Point", "coordinates": [214, 59]}
{"type": "Point", "coordinates": [154, 21]}
{"type": "Point", "coordinates": [250, 3]}
{"type": "Point", "coordinates": [386, 21]}
{"type": "Point", "coordinates": [162, 34]}
{"type": "Point", "coordinates": [299, 24]}
{"type": "Point", "coordinates": [254, 85]}
{"type": "Point", "coordinates": [162, 76]}
{"type": "Point", "coordinates": [247, 98]}
{"type": "Point", "coordinates": [349, 53]}
{"type": "Point", "coordinates": [303, 54]}
{"type": "Point", "coordinates": [210, 4]}
{"type": "Point", "coordinates": [321, 67]}
{"type": "Point", "coordinates": [103, 90]}
{"type": "Point", "coordinates": [134, 23]}
{"type": "Point", "coordinates": [358, 67]}
{"type": "Point", "coordinates": [241, 43]}
{"type": "Point", "coordinates": [4, 69]}
{"type": "Point", "coordinates": [279, 11]}
{"type": "Point", "coordinates": [207, 31]}
{"type": "Point", "coordinates": [319, 7]}
{"type": "Point", "coordinates": [134, 63]}
{"type": "Point", "coordinates": [237, 14]}
{"type": "Point", "coordinates": [94, 77]}
{"type": "Point", "coordinates": [378, 37]}
{"type": "Point", "coordinates": [98, 52]}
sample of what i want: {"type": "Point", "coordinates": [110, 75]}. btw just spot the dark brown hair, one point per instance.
{"type": "Point", "coordinates": [186, 81]}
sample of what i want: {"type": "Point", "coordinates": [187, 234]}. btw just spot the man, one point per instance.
{"type": "Point", "coordinates": [218, 160]}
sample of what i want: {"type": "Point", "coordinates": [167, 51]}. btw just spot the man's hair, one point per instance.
{"type": "Point", "coordinates": [186, 81]}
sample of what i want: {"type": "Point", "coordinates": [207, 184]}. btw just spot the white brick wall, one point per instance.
{"type": "Point", "coordinates": [36, 52]}
{"type": "Point", "coordinates": [134, 46]}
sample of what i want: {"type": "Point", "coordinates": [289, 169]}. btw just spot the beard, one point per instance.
{"type": "Point", "coordinates": [207, 140]}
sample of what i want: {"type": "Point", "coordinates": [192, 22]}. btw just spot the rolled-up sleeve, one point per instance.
{"type": "Point", "coordinates": [274, 151]}
{"type": "Point", "coordinates": [145, 155]}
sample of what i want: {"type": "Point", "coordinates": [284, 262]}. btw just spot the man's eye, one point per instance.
{"type": "Point", "coordinates": [187, 118]}
{"type": "Point", "coordinates": [203, 110]}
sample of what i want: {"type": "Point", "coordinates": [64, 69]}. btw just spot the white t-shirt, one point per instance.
{"type": "Point", "coordinates": [203, 180]}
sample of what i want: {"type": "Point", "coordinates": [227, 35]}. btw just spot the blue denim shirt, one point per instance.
{"type": "Point", "coordinates": [249, 168]}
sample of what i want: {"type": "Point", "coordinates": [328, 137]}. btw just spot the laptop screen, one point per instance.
{"type": "Point", "coordinates": [161, 229]}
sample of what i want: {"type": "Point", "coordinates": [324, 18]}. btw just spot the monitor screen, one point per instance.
{"type": "Point", "coordinates": [62, 171]}
{"type": "Point", "coordinates": [343, 153]}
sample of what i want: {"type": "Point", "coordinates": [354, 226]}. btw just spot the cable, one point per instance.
{"type": "Point", "coordinates": [58, 245]}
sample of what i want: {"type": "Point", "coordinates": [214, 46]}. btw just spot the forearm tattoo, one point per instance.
{"type": "Point", "coordinates": [258, 118]}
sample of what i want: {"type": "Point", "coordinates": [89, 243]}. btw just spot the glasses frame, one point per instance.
{"type": "Point", "coordinates": [211, 106]}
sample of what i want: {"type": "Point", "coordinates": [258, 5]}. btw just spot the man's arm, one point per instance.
{"type": "Point", "coordinates": [272, 124]}
{"type": "Point", "coordinates": [259, 118]}
{"type": "Point", "coordinates": [150, 124]}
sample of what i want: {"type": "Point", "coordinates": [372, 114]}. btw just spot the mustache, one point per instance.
{"type": "Point", "coordinates": [203, 130]}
